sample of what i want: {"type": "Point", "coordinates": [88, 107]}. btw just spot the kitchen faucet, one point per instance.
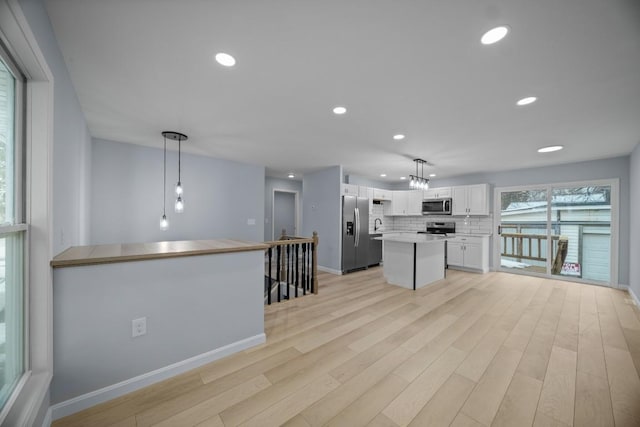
{"type": "Point", "coordinates": [375, 224]}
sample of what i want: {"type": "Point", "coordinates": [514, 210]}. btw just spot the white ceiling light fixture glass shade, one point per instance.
{"type": "Point", "coordinates": [339, 110]}
{"type": "Point", "coordinates": [398, 137]}
{"type": "Point", "coordinates": [526, 101]}
{"type": "Point", "coordinates": [225, 59]}
{"type": "Point", "coordinates": [383, 175]}
{"type": "Point", "coordinates": [403, 178]}
{"type": "Point", "coordinates": [419, 182]}
{"type": "Point", "coordinates": [291, 175]}
{"type": "Point", "coordinates": [177, 136]}
{"type": "Point", "coordinates": [494, 35]}
{"type": "Point", "coordinates": [432, 175]}
{"type": "Point", "coordinates": [550, 149]}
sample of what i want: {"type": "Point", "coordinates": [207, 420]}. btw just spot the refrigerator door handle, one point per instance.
{"type": "Point", "coordinates": [357, 224]}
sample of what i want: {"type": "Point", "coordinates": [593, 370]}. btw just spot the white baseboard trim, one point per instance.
{"type": "Point", "coordinates": [79, 403]}
{"type": "Point", "coordinates": [634, 296]}
{"type": "Point", "coordinates": [47, 418]}
{"type": "Point", "coordinates": [329, 270]}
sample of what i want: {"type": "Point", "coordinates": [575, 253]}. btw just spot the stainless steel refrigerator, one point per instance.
{"type": "Point", "coordinates": [355, 233]}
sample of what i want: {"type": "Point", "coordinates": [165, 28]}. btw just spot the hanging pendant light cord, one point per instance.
{"type": "Point", "coordinates": [164, 181]}
{"type": "Point", "coordinates": [179, 157]}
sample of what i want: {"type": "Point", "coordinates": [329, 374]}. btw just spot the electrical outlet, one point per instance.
{"type": "Point", "coordinates": [138, 327]}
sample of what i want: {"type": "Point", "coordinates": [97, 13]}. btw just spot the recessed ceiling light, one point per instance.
{"type": "Point", "coordinates": [432, 175]}
{"type": "Point", "coordinates": [225, 59]}
{"type": "Point", "coordinates": [291, 175]}
{"type": "Point", "coordinates": [383, 175]}
{"type": "Point", "coordinates": [339, 110]}
{"type": "Point", "coordinates": [403, 177]}
{"type": "Point", "coordinates": [398, 137]}
{"type": "Point", "coordinates": [494, 35]}
{"type": "Point", "coordinates": [550, 148]}
{"type": "Point", "coordinates": [526, 101]}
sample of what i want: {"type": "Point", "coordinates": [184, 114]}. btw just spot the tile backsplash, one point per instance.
{"type": "Point", "coordinates": [476, 224]}
{"type": "Point", "coordinates": [377, 211]}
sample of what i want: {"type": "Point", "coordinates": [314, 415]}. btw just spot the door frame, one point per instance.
{"type": "Point", "coordinates": [614, 183]}
{"type": "Point", "coordinates": [273, 207]}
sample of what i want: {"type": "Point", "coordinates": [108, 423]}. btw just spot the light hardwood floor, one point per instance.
{"type": "Point", "coordinates": [472, 350]}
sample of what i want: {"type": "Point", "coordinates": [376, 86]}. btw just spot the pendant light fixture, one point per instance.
{"type": "Point", "coordinates": [419, 182]}
{"type": "Point", "coordinates": [164, 222]}
{"type": "Point", "coordinates": [177, 136]}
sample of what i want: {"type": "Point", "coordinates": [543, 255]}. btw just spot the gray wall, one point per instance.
{"type": "Point", "coordinates": [71, 140]}
{"type": "Point", "coordinates": [126, 205]}
{"type": "Point", "coordinates": [322, 211]}
{"type": "Point", "coordinates": [280, 184]}
{"type": "Point", "coordinates": [617, 167]}
{"type": "Point", "coordinates": [634, 229]}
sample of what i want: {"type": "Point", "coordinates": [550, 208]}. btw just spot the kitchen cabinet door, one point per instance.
{"type": "Point", "coordinates": [349, 190]}
{"type": "Point", "coordinates": [380, 194]}
{"type": "Point", "coordinates": [455, 253]}
{"type": "Point", "coordinates": [478, 199]}
{"type": "Point", "coordinates": [364, 192]}
{"type": "Point", "coordinates": [473, 256]}
{"type": "Point", "coordinates": [414, 202]}
{"type": "Point", "coordinates": [459, 195]}
{"type": "Point", "coordinates": [470, 199]}
{"type": "Point", "coordinates": [437, 193]}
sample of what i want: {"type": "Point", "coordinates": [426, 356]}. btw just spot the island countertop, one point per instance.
{"type": "Point", "coordinates": [104, 254]}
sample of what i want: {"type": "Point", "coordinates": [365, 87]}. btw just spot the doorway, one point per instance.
{"type": "Point", "coordinates": [559, 230]}
{"type": "Point", "coordinates": [284, 213]}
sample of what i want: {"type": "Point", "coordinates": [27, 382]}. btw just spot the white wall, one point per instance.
{"type": "Point", "coordinates": [634, 229]}
{"type": "Point", "coordinates": [126, 205]}
{"type": "Point", "coordinates": [322, 212]}
{"type": "Point", "coordinates": [71, 140]}
{"type": "Point", "coordinates": [278, 184]}
{"type": "Point", "coordinates": [617, 167]}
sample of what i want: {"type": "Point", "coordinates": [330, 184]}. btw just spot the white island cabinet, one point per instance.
{"type": "Point", "coordinates": [413, 261]}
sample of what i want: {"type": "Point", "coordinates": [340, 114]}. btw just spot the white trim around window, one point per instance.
{"type": "Point", "coordinates": [32, 398]}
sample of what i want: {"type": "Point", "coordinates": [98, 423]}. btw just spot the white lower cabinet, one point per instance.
{"type": "Point", "coordinates": [468, 252]}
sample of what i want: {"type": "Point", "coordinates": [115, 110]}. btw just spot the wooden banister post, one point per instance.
{"type": "Point", "coordinates": [315, 262]}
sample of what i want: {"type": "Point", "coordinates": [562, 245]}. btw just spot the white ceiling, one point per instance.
{"type": "Point", "coordinates": [412, 67]}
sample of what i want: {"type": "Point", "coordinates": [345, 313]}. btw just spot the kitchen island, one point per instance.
{"type": "Point", "coordinates": [413, 260]}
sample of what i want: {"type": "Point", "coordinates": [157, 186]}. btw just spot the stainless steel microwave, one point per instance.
{"type": "Point", "coordinates": [437, 206]}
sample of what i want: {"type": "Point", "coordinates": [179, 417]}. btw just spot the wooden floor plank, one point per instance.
{"type": "Point", "coordinates": [364, 409]}
{"type": "Point", "coordinates": [593, 401]}
{"type": "Point", "coordinates": [407, 405]}
{"type": "Point", "coordinates": [558, 391]}
{"type": "Point", "coordinates": [518, 408]}
{"type": "Point", "coordinates": [624, 384]}
{"type": "Point", "coordinates": [484, 401]}
{"type": "Point", "coordinates": [445, 404]}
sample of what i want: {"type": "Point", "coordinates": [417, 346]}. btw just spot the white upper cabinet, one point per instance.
{"type": "Point", "coordinates": [365, 192]}
{"type": "Point", "coordinates": [404, 203]}
{"type": "Point", "coordinates": [471, 199]}
{"type": "Point", "coordinates": [379, 194]}
{"type": "Point", "coordinates": [349, 190]}
{"type": "Point", "coordinates": [437, 193]}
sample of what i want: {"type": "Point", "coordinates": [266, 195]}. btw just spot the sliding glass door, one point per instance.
{"type": "Point", "coordinates": [561, 230]}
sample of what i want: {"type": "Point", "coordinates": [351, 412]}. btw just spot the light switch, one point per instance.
{"type": "Point", "coordinates": [251, 221]}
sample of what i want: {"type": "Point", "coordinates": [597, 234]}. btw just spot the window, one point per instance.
{"type": "Point", "coordinates": [560, 230]}
{"type": "Point", "coordinates": [12, 231]}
